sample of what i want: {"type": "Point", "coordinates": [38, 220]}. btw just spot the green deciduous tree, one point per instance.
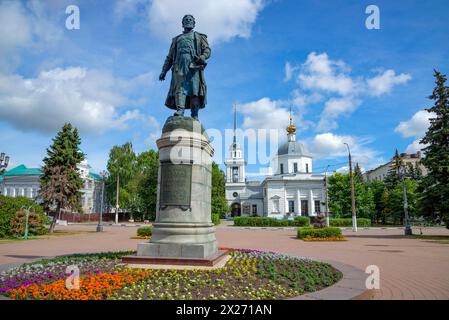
{"type": "Point", "coordinates": [339, 191]}
{"type": "Point", "coordinates": [219, 203]}
{"type": "Point", "coordinates": [137, 177]}
{"type": "Point", "coordinates": [434, 188]}
{"type": "Point", "coordinates": [377, 189]}
{"type": "Point", "coordinates": [147, 189]}
{"type": "Point", "coordinates": [61, 181]}
{"type": "Point", "coordinates": [122, 167]}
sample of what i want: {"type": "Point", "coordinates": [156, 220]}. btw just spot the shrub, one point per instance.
{"type": "Point", "coordinates": [347, 222]}
{"type": "Point", "coordinates": [319, 233]}
{"type": "Point", "coordinates": [144, 231]}
{"type": "Point", "coordinates": [8, 208]}
{"type": "Point", "coordinates": [302, 221]}
{"type": "Point", "coordinates": [270, 222]}
{"type": "Point", "coordinates": [216, 218]}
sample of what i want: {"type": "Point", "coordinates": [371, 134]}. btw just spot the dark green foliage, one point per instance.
{"type": "Point", "coordinates": [377, 189]}
{"type": "Point", "coordinates": [122, 166]}
{"type": "Point", "coordinates": [71, 258]}
{"type": "Point", "coordinates": [147, 187]}
{"type": "Point", "coordinates": [8, 208]}
{"type": "Point", "coordinates": [145, 231]}
{"type": "Point", "coordinates": [61, 181]}
{"type": "Point", "coordinates": [393, 177]}
{"type": "Point", "coordinates": [219, 203]}
{"type": "Point", "coordinates": [347, 222]}
{"type": "Point", "coordinates": [339, 191]}
{"type": "Point", "coordinates": [216, 219]}
{"type": "Point", "coordinates": [270, 222]}
{"type": "Point", "coordinates": [137, 177]}
{"type": "Point", "coordinates": [434, 188]}
{"type": "Point", "coordinates": [319, 233]}
{"type": "Point", "coordinates": [301, 221]}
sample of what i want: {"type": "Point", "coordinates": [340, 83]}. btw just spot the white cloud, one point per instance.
{"type": "Point", "coordinates": [221, 20]}
{"type": "Point", "coordinates": [335, 107]}
{"type": "Point", "coordinates": [332, 146]}
{"type": "Point", "coordinates": [264, 114]}
{"type": "Point", "coordinates": [91, 100]}
{"type": "Point", "coordinates": [155, 131]}
{"type": "Point", "coordinates": [322, 74]}
{"type": "Point", "coordinates": [416, 126]}
{"type": "Point", "coordinates": [25, 27]}
{"type": "Point", "coordinates": [330, 79]}
{"type": "Point", "coordinates": [289, 70]}
{"type": "Point", "coordinates": [384, 83]}
{"type": "Point", "coordinates": [415, 146]}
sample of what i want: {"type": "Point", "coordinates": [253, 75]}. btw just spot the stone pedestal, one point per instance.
{"type": "Point", "coordinates": [183, 226]}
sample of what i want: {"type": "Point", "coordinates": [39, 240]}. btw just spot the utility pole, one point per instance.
{"type": "Point", "coordinates": [354, 218]}
{"type": "Point", "coordinates": [103, 175]}
{"type": "Point", "coordinates": [407, 227]}
{"type": "Point", "coordinates": [116, 202]}
{"type": "Point", "coordinates": [327, 197]}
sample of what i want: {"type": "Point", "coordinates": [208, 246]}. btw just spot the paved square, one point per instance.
{"type": "Point", "coordinates": [409, 268]}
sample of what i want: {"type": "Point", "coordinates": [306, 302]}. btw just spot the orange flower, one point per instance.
{"type": "Point", "coordinates": [99, 286]}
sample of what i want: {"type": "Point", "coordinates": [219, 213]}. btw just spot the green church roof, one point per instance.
{"type": "Point", "coordinates": [95, 176]}
{"type": "Point", "coordinates": [1, 178]}
{"type": "Point", "coordinates": [22, 170]}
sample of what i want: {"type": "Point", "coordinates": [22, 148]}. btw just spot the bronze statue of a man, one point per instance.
{"type": "Point", "coordinates": [187, 59]}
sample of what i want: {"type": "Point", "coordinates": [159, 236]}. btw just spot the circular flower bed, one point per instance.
{"type": "Point", "coordinates": [248, 274]}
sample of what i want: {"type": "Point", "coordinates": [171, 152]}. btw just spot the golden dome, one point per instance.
{"type": "Point", "coordinates": [291, 129]}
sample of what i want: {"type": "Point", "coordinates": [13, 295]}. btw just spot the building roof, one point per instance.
{"type": "Point", "coordinates": [1, 178]}
{"type": "Point", "coordinates": [292, 148]}
{"type": "Point", "coordinates": [95, 176]}
{"type": "Point", "coordinates": [22, 170]}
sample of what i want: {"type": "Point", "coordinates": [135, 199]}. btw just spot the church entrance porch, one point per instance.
{"type": "Point", "coordinates": [236, 210]}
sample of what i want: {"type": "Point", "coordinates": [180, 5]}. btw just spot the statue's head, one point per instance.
{"type": "Point", "coordinates": [188, 21]}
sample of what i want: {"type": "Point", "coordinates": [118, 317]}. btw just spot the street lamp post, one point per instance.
{"type": "Point", "coordinates": [103, 175]}
{"type": "Point", "coordinates": [354, 218]}
{"type": "Point", "coordinates": [4, 161]}
{"type": "Point", "coordinates": [116, 202]}
{"type": "Point", "coordinates": [327, 197]}
{"type": "Point", "coordinates": [407, 227]}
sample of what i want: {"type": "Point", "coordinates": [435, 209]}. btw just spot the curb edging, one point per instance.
{"type": "Point", "coordinates": [350, 287]}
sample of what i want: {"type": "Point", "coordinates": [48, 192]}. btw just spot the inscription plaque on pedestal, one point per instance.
{"type": "Point", "coordinates": [176, 182]}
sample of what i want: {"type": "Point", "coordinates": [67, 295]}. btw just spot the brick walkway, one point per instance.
{"type": "Point", "coordinates": [409, 268]}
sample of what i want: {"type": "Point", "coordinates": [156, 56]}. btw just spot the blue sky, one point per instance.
{"type": "Point", "coordinates": [344, 83]}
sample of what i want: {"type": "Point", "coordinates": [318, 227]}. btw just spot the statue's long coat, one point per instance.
{"type": "Point", "coordinates": [202, 48]}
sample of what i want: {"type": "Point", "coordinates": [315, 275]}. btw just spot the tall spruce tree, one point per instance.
{"type": "Point", "coordinates": [61, 181]}
{"type": "Point", "coordinates": [434, 199]}
{"type": "Point", "coordinates": [393, 177]}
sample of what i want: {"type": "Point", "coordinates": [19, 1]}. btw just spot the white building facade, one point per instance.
{"type": "Point", "coordinates": [380, 173]}
{"type": "Point", "coordinates": [292, 190]}
{"type": "Point", "coordinates": [24, 181]}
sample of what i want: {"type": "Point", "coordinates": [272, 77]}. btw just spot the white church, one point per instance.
{"type": "Point", "coordinates": [292, 190]}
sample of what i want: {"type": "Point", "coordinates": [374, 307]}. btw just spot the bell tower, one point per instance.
{"type": "Point", "coordinates": [235, 164]}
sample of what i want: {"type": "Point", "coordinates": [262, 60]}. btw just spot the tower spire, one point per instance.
{"type": "Point", "coordinates": [235, 126]}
